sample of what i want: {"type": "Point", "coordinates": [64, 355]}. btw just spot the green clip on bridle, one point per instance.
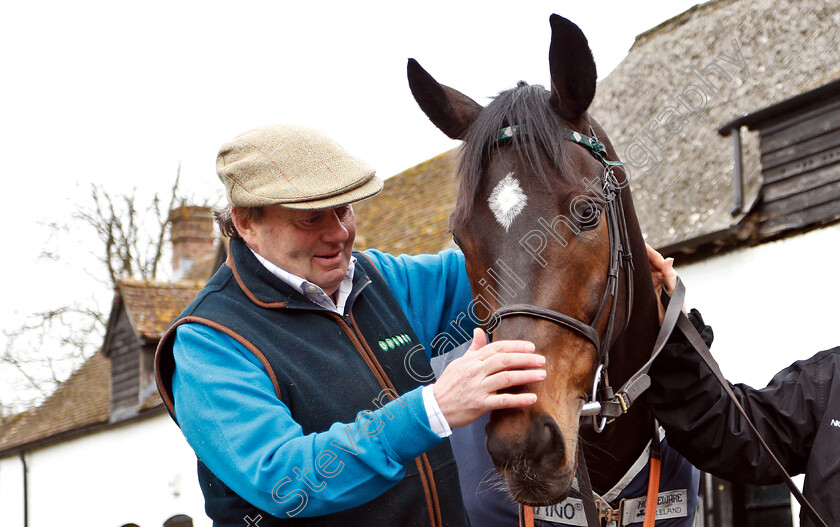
{"type": "Point", "coordinates": [592, 144]}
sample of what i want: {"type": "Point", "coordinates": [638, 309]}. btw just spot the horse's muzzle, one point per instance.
{"type": "Point", "coordinates": [535, 467]}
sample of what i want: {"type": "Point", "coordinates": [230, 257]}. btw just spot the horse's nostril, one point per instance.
{"type": "Point", "coordinates": [547, 442]}
{"type": "Point", "coordinates": [547, 435]}
{"type": "Point", "coordinates": [542, 446]}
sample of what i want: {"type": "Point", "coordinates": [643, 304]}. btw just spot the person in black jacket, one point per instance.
{"type": "Point", "coordinates": [798, 414]}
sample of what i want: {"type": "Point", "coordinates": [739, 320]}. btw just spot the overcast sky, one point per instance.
{"type": "Point", "coordinates": [120, 93]}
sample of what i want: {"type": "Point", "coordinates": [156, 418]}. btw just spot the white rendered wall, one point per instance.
{"type": "Point", "coordinates": [769, 305]}
{"type": "Point", "coordinates": [142, 473]}
{"type": "Point", "coordinates": [11, 492]}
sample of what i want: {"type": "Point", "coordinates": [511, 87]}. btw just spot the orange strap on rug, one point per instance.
{"type": "Point", "coordinates": [526, 516]}
{"type": "Point", "coordinates": [653, 492]}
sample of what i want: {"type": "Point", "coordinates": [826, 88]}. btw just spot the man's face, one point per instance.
{"type": "Point", "coordinates": [312, 244]}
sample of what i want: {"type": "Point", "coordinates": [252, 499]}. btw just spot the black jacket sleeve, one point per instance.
{"type": "Point", "coordinates": [703, 424]}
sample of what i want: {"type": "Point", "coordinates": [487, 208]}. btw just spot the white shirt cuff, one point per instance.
{"type": "Point", "coordinates": [437, 421]}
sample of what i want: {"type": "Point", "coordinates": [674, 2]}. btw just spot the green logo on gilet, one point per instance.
{"type": "Point", "coordinates": [394, 342]}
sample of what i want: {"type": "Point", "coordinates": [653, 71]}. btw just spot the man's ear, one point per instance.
{"type": "Point", "coordinates": [243, 223]}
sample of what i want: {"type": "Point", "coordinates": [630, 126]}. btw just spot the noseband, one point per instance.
{"type": "Point", "coordinates": [620, 258]}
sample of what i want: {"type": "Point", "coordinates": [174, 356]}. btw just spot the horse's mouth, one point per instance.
{"type": "Point", "coordinates": [527, 488]}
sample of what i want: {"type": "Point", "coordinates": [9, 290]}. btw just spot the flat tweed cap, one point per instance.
{"type": "Point", "coordinates": [292, 166]}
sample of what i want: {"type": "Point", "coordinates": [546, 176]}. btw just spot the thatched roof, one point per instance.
{"type": "Point", "coordinates": [789, 47]}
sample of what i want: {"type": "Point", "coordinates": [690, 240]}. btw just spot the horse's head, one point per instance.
{"type": "Point", "coordinates": [535, 223]}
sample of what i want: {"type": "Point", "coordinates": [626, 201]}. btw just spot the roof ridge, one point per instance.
{"type": "Point", "coordinates": [676, 21]}
{"type": "Point", "coordinates": [160, 284]}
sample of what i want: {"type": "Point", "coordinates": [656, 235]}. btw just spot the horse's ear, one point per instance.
{"type": "Point", "coordinates": [450, 110]}
{"type": "Point", "coordinates": [573, 73]}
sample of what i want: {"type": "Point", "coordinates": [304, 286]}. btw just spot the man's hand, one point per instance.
{"type": "Point", "coordinates": [663, 274]}
{"type": "Point", "coordinates": [468, 387]}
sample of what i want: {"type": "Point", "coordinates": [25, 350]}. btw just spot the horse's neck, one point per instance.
{"type": "Point", "coordinates": [615, 450]}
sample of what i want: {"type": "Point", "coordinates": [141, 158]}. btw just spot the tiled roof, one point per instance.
{"type": "Point", "coordinates": [152, 401]}
{"type": "Point", "coordinates": [152, 306]}
{"type": "Point", "coordinates": [83, 401]}
{"type": "Point", "coordinates": [789, 47]}
{"type": "Point", "coordinates": [80, 402]}
{"type": "Point", "coordinates": [8, 423]}
{"type": "Point", "coordinates": [411, 213]}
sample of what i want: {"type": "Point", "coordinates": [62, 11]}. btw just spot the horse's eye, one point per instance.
{"type": "Point", "coordinates": [589, 216]}
{"type": "Point", "coordinates": [455, 239]}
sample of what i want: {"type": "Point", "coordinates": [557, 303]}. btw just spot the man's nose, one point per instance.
{"type": "Point", "coordinates": [334, 229]}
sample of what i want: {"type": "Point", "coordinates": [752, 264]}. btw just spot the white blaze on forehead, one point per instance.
{"type": "Point", "coordinates": [507, 200]}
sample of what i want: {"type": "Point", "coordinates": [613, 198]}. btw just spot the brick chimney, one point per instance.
{"type": "Point", "coordinates": [192, 237]}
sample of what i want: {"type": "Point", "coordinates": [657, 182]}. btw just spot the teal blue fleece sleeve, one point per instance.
{"type": "Point", "coordinates": [226, 406]}
{"type": "Point", "coordinates": [435, 294]}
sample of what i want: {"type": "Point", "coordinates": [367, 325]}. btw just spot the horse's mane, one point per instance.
{"type": "Point", "coordinates": [526, 106]}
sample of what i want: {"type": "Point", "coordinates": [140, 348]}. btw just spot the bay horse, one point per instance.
{"type": "Point", "coordinates": [541, 194]}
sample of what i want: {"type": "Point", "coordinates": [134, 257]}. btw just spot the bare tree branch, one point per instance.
{"type": "Point", "coordinates": [45, 348]}
{"type": "Point", "coordinates": [163, 221]}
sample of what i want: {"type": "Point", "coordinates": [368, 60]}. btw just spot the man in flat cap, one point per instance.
{"type": "Point", "coordinates": [295, 374]}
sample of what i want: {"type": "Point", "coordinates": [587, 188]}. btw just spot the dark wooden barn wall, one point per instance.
{"type": "Point", "coordinates": [800, 156]}
{"type": "Point", "coordinates": [147, 365]}
{"type": "Point", "coordinates": [125, 364]}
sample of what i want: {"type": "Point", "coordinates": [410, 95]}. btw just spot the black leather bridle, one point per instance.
{"type": "Point", "coordinates": [603, 401]}
{"type": "Point", "coordinates": [620, 258]}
